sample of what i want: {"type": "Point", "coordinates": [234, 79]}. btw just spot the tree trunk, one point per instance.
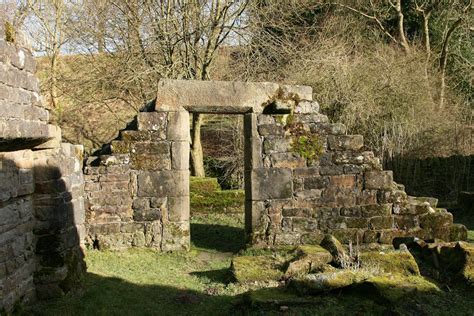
{"type": "Point", "coordinates": [53, 87]}
{"type": "Point", "coordinates": [443, 61]}
{"type": "Point", "coordinates": [197, 162]}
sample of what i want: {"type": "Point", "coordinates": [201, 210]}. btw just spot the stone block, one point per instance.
{"type": "Point", "coordinates": [150, 162]}
{"type": "Point", "coordinates": [273, 145]}
{"type": "Point", "coordinates": [307, 107]}
{"type": "Point", "coordinates": [343, 181]}
{"type": "Point", "coordinates": [152, 121]}
{"type": "Point", "coordinates": [281, 184]}
{"type": "Point", "coordinates": [351, 211]}
{"type": "Point", "coordinates": [382, 222]}
{"type": "Point", "coordinates": [436, 220]}
{"type": "Point", "coordinates": [178, 209]}
{"type": "Point", "coordinates": [376, 210]}
{"type": "Point", "coordinates": [149, 214]}
{"type": "Point", "coordinates": [378, 180]}
{"type": "Point", "coordinates": [287, 160]}
{"type": "Point", "coordinates": [271, 130]}
{"type": "Point", "coordinates": [180, 155]}
{"type": "Point", "coordinates": [252, 153]}
{"type": "Point", "coordinates": [178, 127]}
{"type": "Point", "coordinates": [296, 212]}
{"type": "Point", "coordinates": [345, 142]}
{"type": "Point", "coordinates": [168, 183]}
{"type": "Point", "coordinates": [303, 224]}
{"type": "Point", "coordinates": [406, 222]}
{"type": "Point", "coordinates": [222, 97]}
{"type": "Point", "coordinates": [152, 148]}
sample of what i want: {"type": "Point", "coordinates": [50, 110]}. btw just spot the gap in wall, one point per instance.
{"type": "Point", "coordinates": [217, 201]}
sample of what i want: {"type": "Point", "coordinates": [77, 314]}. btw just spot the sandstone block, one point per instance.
{"type": "Point", "coordinates": [178, 209]}
{"type": "Point", "coordinates": [152, 121]}
{"type": "Point", "coordinates": [168, 183]}
{"type": "Point", "coordinates": [281, 180]}
{"type": "Point", "coordinates": [376, 210]}
{"type": "Point", "coordinates": [345, 142]}
{"type": "Point", "coordinates": [178, 128]}
{"type": "Point", "coordinates": [180, 155]}
{"type": "Point", "coordinates": [378, 180]}
{"type": "Point", "coordinates": [307, 107]}
{"type": "Point", "coordinates": [287, 160]}
{"type": "Point", "coordinates": [271, 130]}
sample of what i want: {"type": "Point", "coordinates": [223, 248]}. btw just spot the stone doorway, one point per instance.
{"type": "Point", "coordinates": [217, 200]}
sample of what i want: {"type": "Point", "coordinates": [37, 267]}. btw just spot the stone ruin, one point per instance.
{"type": "Point", "coordinates": [41, 189]}
{"type": "Point", "coordinates": [304, 177]}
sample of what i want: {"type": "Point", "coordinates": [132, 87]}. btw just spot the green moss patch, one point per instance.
{"type": "Point", "coordinates": [228, 201]}
{"type": "Point", "coordinates": [207, 197]}
{"type": "Point", "coordinates": [395, 287]}
{"type": "Point", "coordinates": [256, 269]}
{"type": "Point", "coordinates": [308, 259]}
{"type": "Point", "coordinates": [308, 146]}
{"type": "Point", "coordinates": [393, 262]}
{"type": "Point", "coordinates": [199, 185]}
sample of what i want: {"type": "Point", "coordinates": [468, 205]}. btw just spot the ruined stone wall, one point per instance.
{"type": "Point", "coordinates": [304, 177]}
{"type": "Point", "coordinates": [139, 195]}
{"type": "Point", "coordinates": [343, 191]}
{"type": "Point", "coordinates": [41, 183]}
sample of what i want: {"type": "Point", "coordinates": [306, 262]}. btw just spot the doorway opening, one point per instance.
{"type": "Point", "coordinates": [217, 200]}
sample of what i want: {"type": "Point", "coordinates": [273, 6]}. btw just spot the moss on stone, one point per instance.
{"type": "Point", "coordinates": [393, 262]}
{"type": "Point", "coordinates": [256, 269]}
{"type": "Point", "coordinates": [308, 146]}
{"type": "Point", "coordinates": [307, 259]}
{"type": "Point", "coordinates": [395, 287]}
{"type": "Point", "coordinates": [10, 34]}
{"type": "Point", "coordinates": [328, 281]}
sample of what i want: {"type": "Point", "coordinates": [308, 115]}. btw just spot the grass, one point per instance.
{"type": "Point", "coordinates": [470, 236]}
{"type": "Point", "coordinates": [199, 282]}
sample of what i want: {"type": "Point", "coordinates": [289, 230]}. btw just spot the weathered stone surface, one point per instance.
{"type": "Point", "coordinates": [152, 121]}
{"type": "Point", "coordinates": [307, 107]}
{"type": "Point", "coordinates": [308, 259]}
{"type": "Point", "coordinates": [378, 180]}
{"type": "Point", "coordinates": [172, 183]}
{"type": "Point", "coordinates": [328, 281]}
{"type": "Point", "coordinates": [336, 249]}
{"type": "Point", "coordinates": [222, 97]}
{"type": "Point", "coordinates": [281, 188]}
{"type": "Point", "coordinates": [180, 155]}
{"type": "Point", "coordinates": [178, 126]}
{"type": "Point", "coordinates": [345, 142]}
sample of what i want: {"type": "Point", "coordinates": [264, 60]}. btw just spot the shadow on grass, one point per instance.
{"type": "Point", "coordinates": [223, 276]}
{"type": "Point", "coordinates": [114, 296]}
{"type": "Point", "coordinates": [217, 237]}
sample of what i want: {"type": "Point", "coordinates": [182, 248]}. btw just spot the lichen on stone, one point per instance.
{"type": "Point", "coordinates": [10, 34]}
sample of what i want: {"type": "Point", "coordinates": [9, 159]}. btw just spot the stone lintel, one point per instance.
{"type": "Point", "coordinates": [225, 97]}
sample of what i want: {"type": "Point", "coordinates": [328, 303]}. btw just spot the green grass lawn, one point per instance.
{"type": "Point", "coordinates": [199, 282]}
